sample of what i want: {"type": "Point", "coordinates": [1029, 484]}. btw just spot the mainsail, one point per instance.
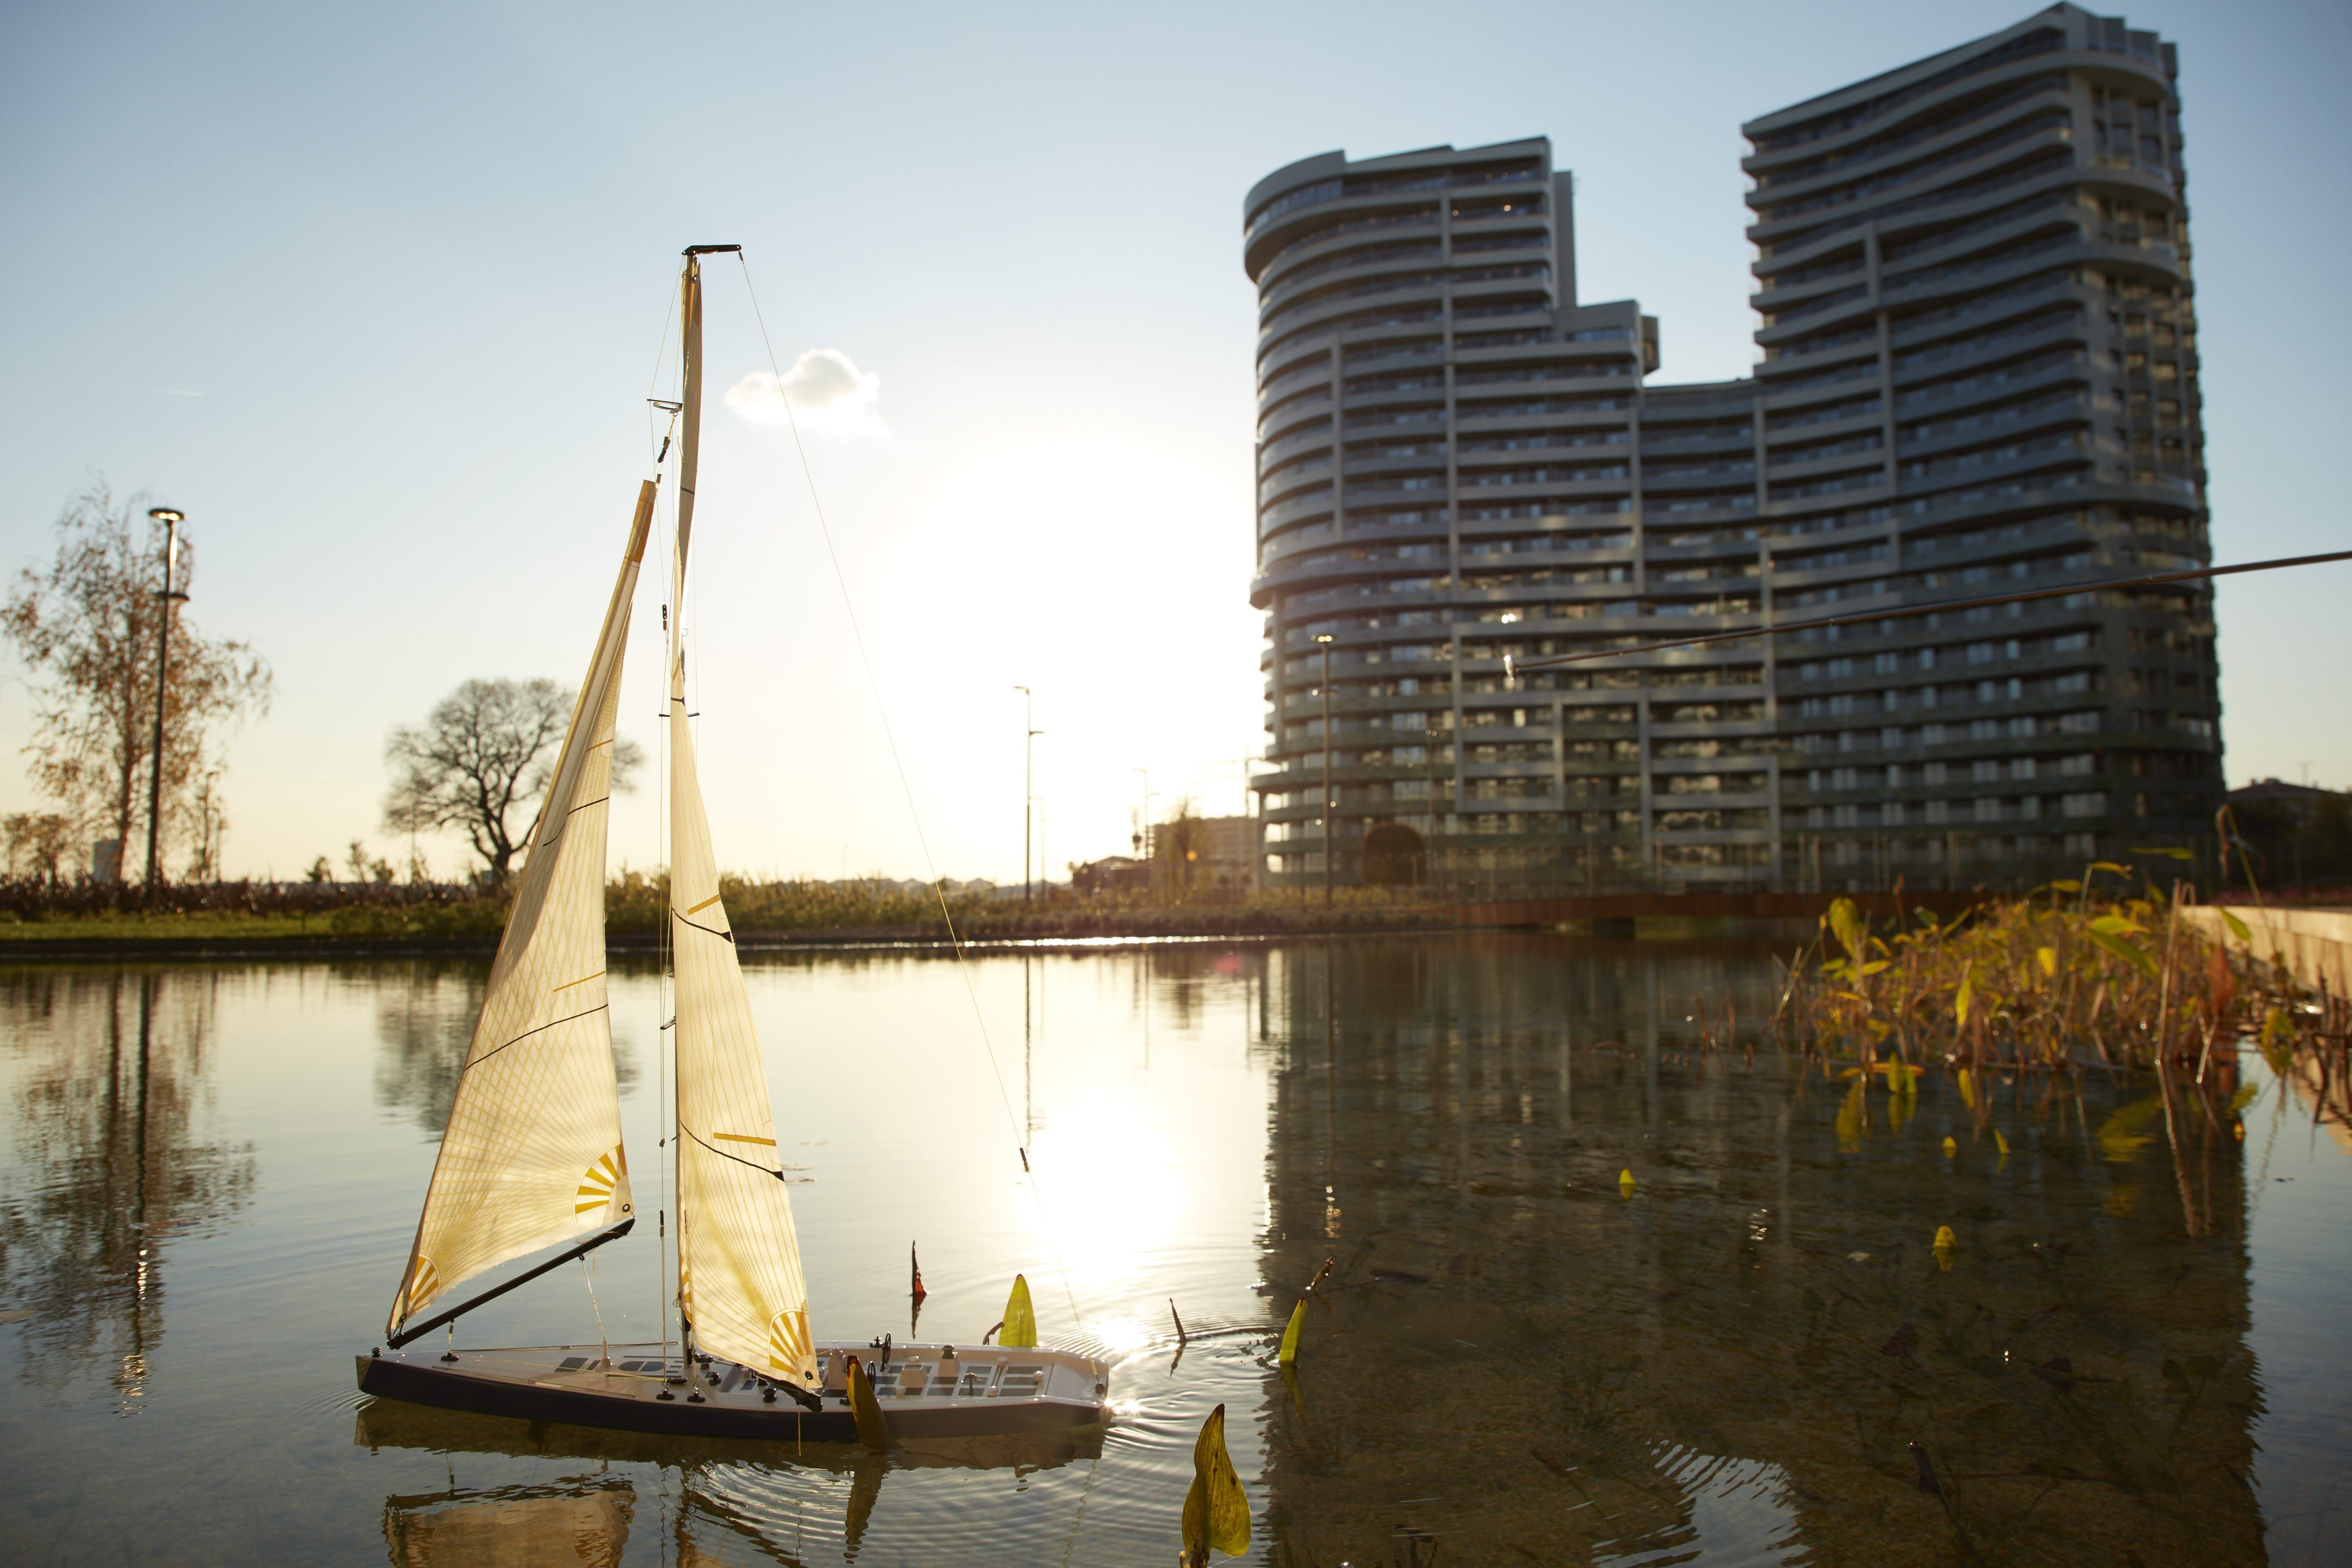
{"type": "Point", "coordinates": [532, 1155]}
{"type": "Point", "coordinates": [739, 1264]}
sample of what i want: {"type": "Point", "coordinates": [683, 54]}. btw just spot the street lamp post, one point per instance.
{"type": "Point", "coordinates": [1028, 745]}
{"type": "Point", "coordinates": [1325, 640]}
{"type": "Point", "coordinates": [1143, 838]}
{"type": "Point", "coordinates": [167, 598]}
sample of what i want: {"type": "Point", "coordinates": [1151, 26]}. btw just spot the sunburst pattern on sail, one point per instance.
{"type": "Point", "coordinates": [738, 1264]}
{"type": "Point", "coordinates": [532, 1153]}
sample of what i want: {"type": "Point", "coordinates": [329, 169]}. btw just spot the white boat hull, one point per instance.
{"type": "Point", "coordinates": [923, 1390]}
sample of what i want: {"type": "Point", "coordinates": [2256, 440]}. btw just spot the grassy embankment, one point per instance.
{"type": "Point", "coordinates": [634, 904]}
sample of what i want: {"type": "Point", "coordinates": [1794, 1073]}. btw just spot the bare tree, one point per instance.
{"type": "Point", "coordinates": [86, 626]}
{"type": "Point", "coordinates": [479, 762]}
{"type": "Point", "coordinates": [38, 844]}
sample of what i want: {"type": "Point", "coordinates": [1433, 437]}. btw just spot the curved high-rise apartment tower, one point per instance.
{"type": "Point", "coordinates": [1978, 374]}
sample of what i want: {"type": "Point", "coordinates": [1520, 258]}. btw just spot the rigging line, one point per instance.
{"type": "Point", "coordinates": [890, 738]}
{"type": "Point", "coordinates": [653, 382]}
{"type": "Point", "coordinates": [527, 1034]}
{"type": "Point", "coordinates": [874, 685]}
{"type": "Point", "coordinates": [714, 931]}
{"type": "Point", "coordinates": [664, 980]}
{"type": "Point", "coordinates": [570, 814]}
{"type": "Point", "coordinates": [723, 1155]}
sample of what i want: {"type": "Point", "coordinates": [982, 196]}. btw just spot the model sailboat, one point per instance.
{"type": "Point", "coordinates": [532, 1157]}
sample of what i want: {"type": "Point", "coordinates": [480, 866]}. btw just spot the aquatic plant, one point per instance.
{"type": "Point", "coordinates": [2061, 977]}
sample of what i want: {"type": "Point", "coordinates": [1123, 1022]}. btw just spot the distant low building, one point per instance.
{"type": "Point", "coordinates": [2293, 834]}
{"type": "Point", "coordinates": [2300, 804]}
{"type": "Point", "coordinates": [1111, 874]}
{"type": "Point", "coordinates": [1226, 852]}
{"type": "Point", "coordinates": [1232, 854]}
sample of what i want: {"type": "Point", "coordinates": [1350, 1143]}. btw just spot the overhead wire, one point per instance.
{"type": "Point", "coordinates": [897, 764]}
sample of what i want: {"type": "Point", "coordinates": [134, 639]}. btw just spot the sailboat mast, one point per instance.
{"type": "Point", "coordinates": [689, 456]}
{"type": "Point", "coordinates": [689, 444]}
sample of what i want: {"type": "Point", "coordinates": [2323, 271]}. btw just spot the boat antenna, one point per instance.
{"type": "Point", "coordinates": [890, 738]}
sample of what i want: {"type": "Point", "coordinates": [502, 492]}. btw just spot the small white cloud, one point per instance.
{"type": "Point", "coordinates": [824, 390]}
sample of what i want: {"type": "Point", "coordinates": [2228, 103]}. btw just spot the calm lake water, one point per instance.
{"type": "Point", "coordinates": [211, 1175]}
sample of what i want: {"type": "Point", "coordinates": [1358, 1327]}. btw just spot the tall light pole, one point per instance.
{"type": "Point", "coordinates": [1325, 640]}
{"type": "Point", "coordinates": [167, 598]}
{"type": "Point", "coordinates": [1028, 745]}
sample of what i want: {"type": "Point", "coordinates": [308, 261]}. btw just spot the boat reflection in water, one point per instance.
{"type": "Point", "coordinates": [579, 1524]}
{"type": "Point", "coordinates": [768, 1496]}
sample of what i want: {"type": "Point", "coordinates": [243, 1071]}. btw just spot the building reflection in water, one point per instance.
{"type": "Point", "coordinates": [111, 1070]}
{"type": "Point", "coordinates": [1756, 1348]}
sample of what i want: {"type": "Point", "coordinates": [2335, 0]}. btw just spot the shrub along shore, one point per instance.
{"type": "Point", "coordinates": [293, 918]}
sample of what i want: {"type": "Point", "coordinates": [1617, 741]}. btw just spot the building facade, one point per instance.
{"type": "Point", "coordinates": [1978, 374]}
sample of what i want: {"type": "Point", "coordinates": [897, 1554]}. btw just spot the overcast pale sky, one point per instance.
{"type": "Point", "coordinates": [374, 295]}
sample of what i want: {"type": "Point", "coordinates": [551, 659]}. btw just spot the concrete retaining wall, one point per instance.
{"type": "Point", "coordinates": [2315, 944]}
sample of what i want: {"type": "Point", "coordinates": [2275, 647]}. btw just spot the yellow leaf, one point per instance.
{"type": "Point", "coordinates": [1852, 1116]}
{"type": "Point", "coordinates": [1968, 1090]}
{"type": "Point", "coordinates": [873, 1427]}
{"type": "Point", "coordinates": [1216, 1510]}
{"type": "Point", "coordinates": [1020, 1317]}
{"type": "Point", "coordinates": [2131, 954]}
{"type": "Point", "coordinates": [2120, 1135]}
{"type": "Point", "coordinates": [1847, 923]}
{"type": "Point", "coordinates": [2048, 958]}
{"type": "Point", "coordinates": [1951, 1149]}
{"type": "Point", "coordinates": [1289, 1352]}
{"type": "Point", "coordinates": [2237, 927]}
{"type": "Point", "coordinates": [1625, 1184]}
{"type": "Point", "coordinates": [1945, 1240]}
{"type": "Point", "coordinates": [2001, 1143]}
{"type": "Point", "coordinates": [1966, 995]}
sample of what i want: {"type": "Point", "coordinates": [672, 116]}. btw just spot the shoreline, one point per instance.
{"type": "Point", "coordinates": [198, 946]}
{"type": "Point", "coordinates": [1715, 916]}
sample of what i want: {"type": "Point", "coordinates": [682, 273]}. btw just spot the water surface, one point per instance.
{"type": "Point", "coordinates": [211, 1175]}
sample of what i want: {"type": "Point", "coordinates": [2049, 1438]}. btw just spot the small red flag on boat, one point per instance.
{"type": "Point", "coordinates": [915, 1265]}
